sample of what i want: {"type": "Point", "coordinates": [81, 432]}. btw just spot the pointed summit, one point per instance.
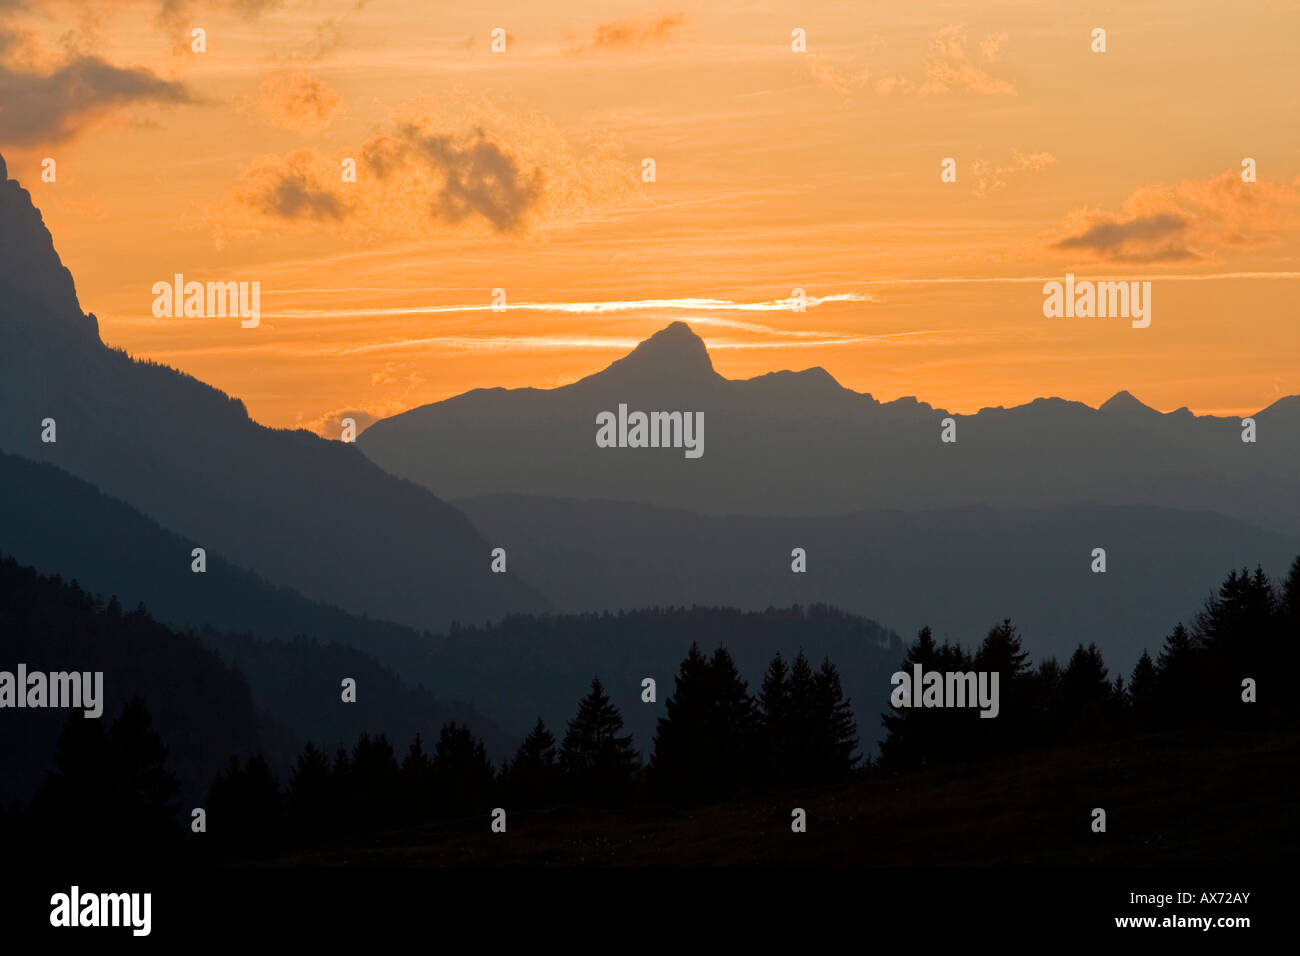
{"type": "Point", "coordinates": [1125, 403]}
{"type": "Point", "coordinates": [674, 355]}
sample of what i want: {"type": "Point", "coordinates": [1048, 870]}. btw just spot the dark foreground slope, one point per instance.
{"type": "Point", "coordinates": [1195, 798]}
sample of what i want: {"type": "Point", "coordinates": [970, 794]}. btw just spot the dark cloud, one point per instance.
{"type": "Point", "coordinates": [296, 195]}
{"type": "Point", "coordinates": [1151, 238]}
{"type": "Point", "coordinates": [54, 107]}
{"type": "Point", "coordinates": [478, 177]}
{"type": "Point", "coordinates": [1109, 234]}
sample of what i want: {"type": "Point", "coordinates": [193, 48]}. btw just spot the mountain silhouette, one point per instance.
{"type": "Point", "coordinates": [53, 625]}
{"type": "Point", "coordinates": [317, 516]}
{"type": "Point", "coordinates": [292, 651]}
{"type": "Point", "coordinates": [957, 570]}
{"type": "Point", "coordinates": [799, 443]}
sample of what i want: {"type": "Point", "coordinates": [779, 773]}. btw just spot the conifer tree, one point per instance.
{"type": "Point", "coordinates": [532, 778]}
{"type": "Point", "coordinates": [311, 799]}
{"type": "Point", "coordinates": [908, 738]}
{"type": "Point", "coordinates": [1086, 694]}
{"type": "Point", "coordinates": [246, 810]}
{"type": "Point", "coordinates": [1142, 691]}
{"type": "Point", "coordinates": [375, 782]}
{"type": "Point", "coordinates": [836, 729]}
{"type": "Point", "coordinates": [598, 761]}
{"type": "Point", "coordinates": [417, 782]}
{"type": "Point", "coordinates": [774, 720]}
{"type": "Point", "coordinates": [463, 777]}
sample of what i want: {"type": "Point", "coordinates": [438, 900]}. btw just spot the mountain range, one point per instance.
{"type": "Point", "coordinates": [799, 443]}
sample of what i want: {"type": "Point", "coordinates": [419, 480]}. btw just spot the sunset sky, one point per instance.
{"type": "Point", "coordinates": [775, 170]}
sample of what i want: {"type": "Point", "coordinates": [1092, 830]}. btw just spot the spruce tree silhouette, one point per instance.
{"type": "Point", "coordinates": [246, 810]}
{"type": "Point", "coordinates": [418, 790]}
{"type": "Point", "coordinates": [312, 799]}
{"type": "Point", "coordinates": [1239, 632]}
{"type": "Point", "coordinates": [532, 778]}
{"type": "Point", "coordinates": [1086, 694]}
{"type": "Point", "coordinates": [802, 729]}
{"type": "Point", "coordinates": [74, 805]}
{"type": "Point", "coordinates": [1179, 670]}
{"type": "Point", "coordinates": [1288, 658]}
{"type": "Point", "coordinates": [111, 792]}
{"type": "Point", "coordinates": [704, 716]}
{"type": "Point", "coordinates": [836, 741]}
{"type": "Point", "coordinates": [463, 777]}
{"type": "Point", "coordinates": [731, 728]}
{"type": "Point", "coordinates": [1142, 693]}
{"type": "Point", "coordinates": [343, 791]}
{"type": "Point", "coordinates": [1047, 706]}
{"type": "Point", "coordinates": [146, 804]}
{"type": "Point", "coordinates": [774, 743]}
{"type": "Point", "coordinates": [909, 734]}
{"type": "Point", "coordinates": [598, 762]}
{"type": "Point", "coordinates": [1003, 652]}
{"type": "Point", "coordinates": [375, 783]}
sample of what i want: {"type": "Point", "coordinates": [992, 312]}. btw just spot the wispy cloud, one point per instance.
{"type": "Point", "coordinates": [630, 34]}
{"type": "Point", "coordinates": [991, 177]}
{"type": "Point", "coordinates": [949, 68]}
{"type": "Point", "coordinates": [298, 100]}
{"type": "Point", "coordinates": [585, 308]}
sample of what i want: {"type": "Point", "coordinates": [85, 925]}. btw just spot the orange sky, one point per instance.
{"type": "Point", "coordinates": [775, 170]}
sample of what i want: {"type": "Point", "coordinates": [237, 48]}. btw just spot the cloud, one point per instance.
{"type": "Point", "coordinates": [991, 178]}
{"type": "Point", "coordinates": [330, 424]}
{"type": "Point", "coordinates": [55, 106]}
{"type": "Point", "coordinates": [300, 101]}
{"type": "Point", "coordinates": [1110, 237]}
{"type": "Point", "coordinates": [1194, 220]}
{"type": "Point", "coordinates": [631, 34]}
{"type": "Point", "coordinates": [948, 68]}
{"type": "Point", "coordinates": [485, 170]}
{"type": "Point", "coordinates": [295, 188]}
{"type": "Point", "coordinates": [828, 75]}
{"type": "Point", "coordinates": [478, 176]}
{"type": "Point", "coordinates": [172, 12]}
{"type": "Point", "coordinates": [991, 46]}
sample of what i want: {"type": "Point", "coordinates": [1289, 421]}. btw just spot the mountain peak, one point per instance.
{"type": "Point", "coordinates": [36, 289]}
{"type": "Point", "coordinates": [1124, 401]}
{"type": "Point", "coordinates": [673, 355]}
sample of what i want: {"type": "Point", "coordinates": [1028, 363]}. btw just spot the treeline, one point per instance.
{"type": "Point", "coordinates": [1225, 671]}
{"type": "Point", "coordinates": [200, 704]}
{"type": "Point", "coordinates": [714, 740]}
